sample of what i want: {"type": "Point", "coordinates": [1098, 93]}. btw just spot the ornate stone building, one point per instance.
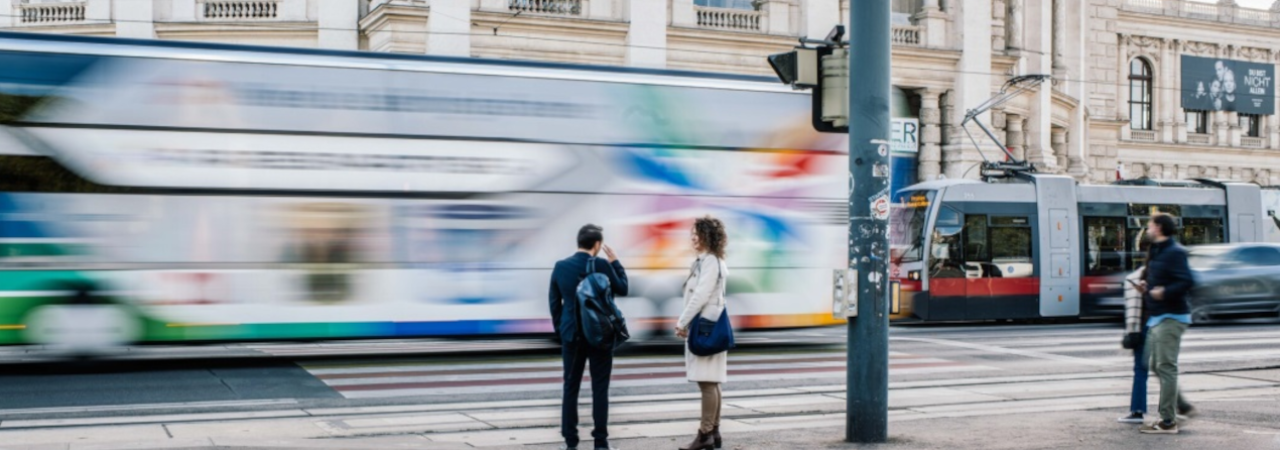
{"type": "Point", "coordinates": [1114, 105]}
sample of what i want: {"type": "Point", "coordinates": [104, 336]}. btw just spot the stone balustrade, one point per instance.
{"type": "Point", "coordinates": [551, 7]}
{"type": "Point", "coordinates": [240, 10]}
{"type": "Point", "coordinates": [39, 14]}
{"type": "Point", "coordinates": [1227, 13]}
{"type": "Point", "coordinates": [728, 18]}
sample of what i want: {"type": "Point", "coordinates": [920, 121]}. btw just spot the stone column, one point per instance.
{"type": "Point", "coordinates": [931, 17]}
{"type": "Point", "coordinates": [1000, 127]}
{"type": "Point", "coordinates": [298, 11]}
{"type": "Point", "coordinates": [1122, 100]}
{"type": "Point", "coordinates": [1167, 84]}
{"type": "Point", "coordinates": [1233, 129]}
{"type": "Point", "coordinates": [501, 6]}
{"type": "Point", "coordinates": [820, 16]}
{"type": "Point", "coordinates": [135, 18]}
{"type": "Point", "coordinates": [99, 11]}
{"type": "Point", "coordinates": [449, 24]}
{"type": "Point", "coordinates": [930, 157]}
{"type": "Point", "coordinates": [1227, 10]}
{"type": "Point", "coordinates": [1059, 140]}
{"type": "Point", "coordinates": [999, 34]}
{"type": "Point", "coordinates": [973, 84]}
{"type": "Point", "coordinates": [683, 15]}
{"type": "Point", "coordinates": [1038, 58]}
{"type": "Point", "coordinates": [1015, 139]}
{"type": "Point", "coordinates": [1179, 114]}
{"type": "Point", "coordinates": [1273, 131]}
{"type": "Point", "coordinates": [338, 25]}
{"type": "Point", "coordinates": [1014, 24]}
{"type": "Point", "coordinates": [598, 10]}
{"type": "Point", "coordinates": [776, 17]}
{"type": "Point", "coordinates": [647, 37]}
{"type": "Point", "coordinates": [1220, 128]}
{"type": "Point", "coordinates": [1059, 37]}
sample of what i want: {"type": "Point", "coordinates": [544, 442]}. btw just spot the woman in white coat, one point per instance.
{"type": "Point", "coordinates": [704, 298]}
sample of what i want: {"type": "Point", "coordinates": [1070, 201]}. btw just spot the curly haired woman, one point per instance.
{"type": "Point", "coordinates": [704, 299]}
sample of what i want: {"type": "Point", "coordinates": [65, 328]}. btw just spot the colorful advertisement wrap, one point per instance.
{"type": "Point", "coordinates": [1210, 84]}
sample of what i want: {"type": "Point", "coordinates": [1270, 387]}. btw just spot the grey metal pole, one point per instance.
{"type": "Point", "coordinates": [867, 419]}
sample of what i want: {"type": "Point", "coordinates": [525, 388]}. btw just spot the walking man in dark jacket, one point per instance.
{"type": "Point", "coordinates": [565, 317]}
{"type": "Point", "coordinates": [1168, 282]}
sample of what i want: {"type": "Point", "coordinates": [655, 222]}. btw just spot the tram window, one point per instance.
{"type": "Point", "coordinates": [1145, 209]}
{"type": "Point", "coordinates": [1137, 242]}
{"type": "Point", "coordinates": [946, 254]}
{"type": "Point", "coordinates": [985, 247]}
{"type": "Point", "coordinates": [908, 220]}
{"type": "Point", "coordinates": [1011, 239]}
{"type": "Point", "coordinates": [1201, 231]}
{"type": "Point", "coordinates": [975, 239]}
{"type": "Point", "coordinates": [1104, 245]}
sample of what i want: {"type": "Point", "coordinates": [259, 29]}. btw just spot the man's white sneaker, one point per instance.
{"type": "Point", "coordinates": [1134, 417]}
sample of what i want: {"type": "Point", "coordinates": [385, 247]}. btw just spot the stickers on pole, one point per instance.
{"type": "Point", "coordinates": [880, 208]}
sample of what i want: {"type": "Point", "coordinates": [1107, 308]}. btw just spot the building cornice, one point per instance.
{"type": "Point", "coordinates": [284, 28]}
{"type": "Point", "coordinates": [1198, 154]}
{"type": "Point", "coordinates": [1188, 29]}
{"type": "Point", "coordinates": [387, 12]}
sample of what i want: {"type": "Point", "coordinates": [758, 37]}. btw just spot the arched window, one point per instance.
{"type": "Point", "coordinates": [1140, 81]}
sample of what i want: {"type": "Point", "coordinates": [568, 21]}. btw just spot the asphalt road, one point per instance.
{"type": "Point", "coordinates": [346, 374]}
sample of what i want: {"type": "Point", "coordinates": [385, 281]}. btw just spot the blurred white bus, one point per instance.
{"type": "Point", "coordinates": [178, 192]}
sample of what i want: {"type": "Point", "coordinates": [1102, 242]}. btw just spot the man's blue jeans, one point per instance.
{"type": "Point", "coordinates": [1138, 402]}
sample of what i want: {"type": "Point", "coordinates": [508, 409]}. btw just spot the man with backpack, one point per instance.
{"type": "Point", "coordinates": [569, 277]}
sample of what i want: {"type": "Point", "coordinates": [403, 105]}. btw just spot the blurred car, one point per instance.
{"type": "Point", "coordinates": [1235, 280]}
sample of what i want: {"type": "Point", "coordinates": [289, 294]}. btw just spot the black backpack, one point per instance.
{"type": "Point", "coordinates": [603, 326]}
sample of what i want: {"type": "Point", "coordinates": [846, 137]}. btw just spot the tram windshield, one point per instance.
{"type": "Point", "coordinates": [907, 225]}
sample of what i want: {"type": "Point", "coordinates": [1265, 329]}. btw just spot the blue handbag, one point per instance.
{"type": "Point", "coordinates": [707, 338]}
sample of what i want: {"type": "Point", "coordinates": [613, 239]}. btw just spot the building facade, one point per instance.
{"type": "Point", "coordinates": [1116, 105]}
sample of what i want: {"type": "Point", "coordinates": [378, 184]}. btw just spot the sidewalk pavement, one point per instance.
{"type": "Point", "coordinates": [1219, 427]}
{"type": "Point", "coordinates": [1238, 411]}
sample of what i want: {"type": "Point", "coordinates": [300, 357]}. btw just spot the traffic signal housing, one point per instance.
{"type": "Point", "coordinates": [825, 70]}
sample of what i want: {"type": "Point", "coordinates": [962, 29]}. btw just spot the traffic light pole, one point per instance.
{"type": "Point", "coordinates": [867, 413]}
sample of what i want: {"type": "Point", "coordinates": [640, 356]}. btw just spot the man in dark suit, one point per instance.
{"type": "Point", "coordinates": [563, 300]}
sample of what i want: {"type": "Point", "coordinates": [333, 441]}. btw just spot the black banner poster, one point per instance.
{"type": "Point", "coordinates": [1210, 84]}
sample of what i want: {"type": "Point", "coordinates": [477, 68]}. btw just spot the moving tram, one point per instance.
{"type": "Point", "coordinates": [1040, 246]}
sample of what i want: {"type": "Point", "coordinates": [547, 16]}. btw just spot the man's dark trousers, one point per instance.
{"type": "Point", "coordinates": [576, 356]}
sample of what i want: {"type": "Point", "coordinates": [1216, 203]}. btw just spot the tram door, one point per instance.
{"type": "Point", "coordinates": [1059, 246]}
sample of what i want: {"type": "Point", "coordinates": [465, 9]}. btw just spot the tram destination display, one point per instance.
{"type": "Point", "coordinates": [1211, 84]}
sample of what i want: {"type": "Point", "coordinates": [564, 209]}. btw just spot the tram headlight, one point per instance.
{"type": "Point", "coordinates": [913, 275]}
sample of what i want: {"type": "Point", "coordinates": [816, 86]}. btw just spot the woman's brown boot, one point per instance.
{"type": "Point", "coordinates": [715, 436]}
{"type": "Point", "coordinates": [703, 441]}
